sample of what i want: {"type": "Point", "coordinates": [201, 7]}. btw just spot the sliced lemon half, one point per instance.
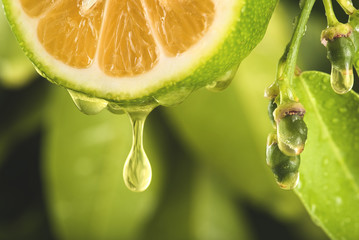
{"type": "Point", "coordinates": [134, 51]}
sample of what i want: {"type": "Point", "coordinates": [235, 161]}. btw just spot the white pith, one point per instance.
{"type": "Point", "coordinates": [167, 70]}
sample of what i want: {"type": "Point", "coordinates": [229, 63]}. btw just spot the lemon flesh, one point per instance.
{"type": "Point", "coordinates": [134, 52]}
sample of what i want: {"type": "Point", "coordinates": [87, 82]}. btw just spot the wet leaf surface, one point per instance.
{"type": "Point", "coordinates": [329, 171]}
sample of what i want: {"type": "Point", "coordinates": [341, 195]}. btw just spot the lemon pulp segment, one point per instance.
{"type": "Point", "coordinates": [124, 37]}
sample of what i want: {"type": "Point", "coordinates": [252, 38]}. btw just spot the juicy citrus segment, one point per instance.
{"type": "Point", "coordinates": [128, 39]}
{"type": "Point", "coordinates": [69, 34]}
{"type": "Point", "coordinates": [36, 8]}
{"type": "Point", "coordinates": [127, 46]}
{"type": "Point", "coordinates": [179, 24]}
{"type": "Point", "coordinates": [137, 52]}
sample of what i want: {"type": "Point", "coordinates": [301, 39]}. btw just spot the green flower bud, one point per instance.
{"type": "Point", "coordinates": [285, 168]}
{"type": "Point", "coordinates": [291, 128]}
{"type": "Point", "coordinates": [340, 52]}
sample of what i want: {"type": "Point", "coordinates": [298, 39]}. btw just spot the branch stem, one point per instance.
{"type": "Point", "coordinates": [329, 12]}
{"type": "Point", "coordinates": [347, 6]}
{"type": "Point", "coordinates": [287, 64]}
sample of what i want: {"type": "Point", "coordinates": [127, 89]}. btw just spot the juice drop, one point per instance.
{"type": "Point", "coordinates": [173, 97]}
{"type": "Point", "coordinates": [223, 82]}
{"type": "Point", "coordinates": [86, 104]}
{"type": "Point", "coordinates": [137, 171]}
{"type": "Point", "coordinates": [342, 80]}
{"type": "Point", "coordinates": [115, 108]}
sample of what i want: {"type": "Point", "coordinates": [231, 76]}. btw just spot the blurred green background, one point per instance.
{"type": "Point", "coordinates": [61, 171]}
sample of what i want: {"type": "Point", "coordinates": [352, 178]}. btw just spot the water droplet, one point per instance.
{"type": "Point", "coordinates": [223, 82]}
{"type": "Point", "coordinates": [173, 97]}
{"type": "Point", "coordinates": [137, 171]}
{"type": "Point", "coordinates": [86, 104]}
{"type": "Point", "coordinates": [295, 21]}
{"type": "Point", "coordinates": [342, 80]}
{"type": "Point", "coordinates": [42, 74]}
{"type": "Point", "coordinates": [39, 72]}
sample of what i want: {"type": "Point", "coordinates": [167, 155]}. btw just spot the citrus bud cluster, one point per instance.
{"type": "Point", "coordinates": [286, 143]}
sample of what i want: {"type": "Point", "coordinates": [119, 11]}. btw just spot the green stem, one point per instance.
{"type": "Point", "coordinates": [347, 6]}
{"type": "Point", "coordinates": [289, 59]}
{"type": "Point", "coordinates": [331, 18]}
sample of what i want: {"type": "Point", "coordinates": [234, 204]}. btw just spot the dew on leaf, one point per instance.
{"type": "Point", "coordinates": [342, 80]}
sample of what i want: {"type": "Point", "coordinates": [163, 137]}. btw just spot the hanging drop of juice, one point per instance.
{"type": "Point", "coordinates": [137, 171]}
{"type": "Point", "coordinates": [342, 80]}
{"type": "Point", "coordinates": [224, 81]}
{"type": "Point", "coordinates": [86, 104]}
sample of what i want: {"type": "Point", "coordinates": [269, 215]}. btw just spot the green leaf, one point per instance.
{"type": "Point", "coordinates": [329, 171]}
{"type": "Point", "coordinates": [215, 214]}
{"type": "Point", "coordinates": [83, 162]}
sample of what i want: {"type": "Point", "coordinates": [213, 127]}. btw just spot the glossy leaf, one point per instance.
{"type": "Point", "coordinates": [329, 171]}
{"type": "Point", "coordinates": [215, 213]}
{"type": "Point", "coordinates": [83, 162]}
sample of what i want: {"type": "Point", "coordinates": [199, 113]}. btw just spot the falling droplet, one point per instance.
{"type": "Point", "coordinates": [39, 72]}
{"type": "Point", "coordinates": [137, 171]}
{"type": "Point", "coordinates": [42, 74]}
{"type": "Point", "coordinates": [86, 104]}
{"type": "Point", "coordinates": [342, 80]}
{"type": "Point", "coordinates": [223, 82]}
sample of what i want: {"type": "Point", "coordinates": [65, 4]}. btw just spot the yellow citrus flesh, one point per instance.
{"type": "Point", "coordinates": [68, 36]}
{"type": "Point", "coordinates": [36, 8]}
{"type": "Point", "coordinates": [124, 37]}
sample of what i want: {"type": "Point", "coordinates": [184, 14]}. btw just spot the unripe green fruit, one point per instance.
{"type": "Point", "coordinates": [285, 168]}
{"type": "Point", "coordinates": [340, 52]}
{"type": "Point", "coordinates": [292, 134]}
{"type": "Point", "coordinates": [339, 41]}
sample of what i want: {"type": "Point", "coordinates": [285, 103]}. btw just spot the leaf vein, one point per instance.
{"type": "Point", "coordinates": [334, 146]}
